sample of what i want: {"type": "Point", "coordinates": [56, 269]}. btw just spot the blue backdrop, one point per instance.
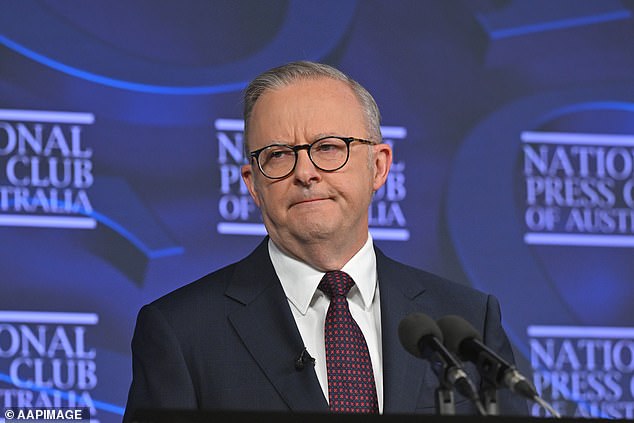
{"type": "Point", "coordinates": [512, 124]}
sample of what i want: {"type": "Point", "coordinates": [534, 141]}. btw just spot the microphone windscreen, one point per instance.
{"type": "Point", "coordinates": [455, 330]}
{"type": "Point", "coordinates": [414, 327]}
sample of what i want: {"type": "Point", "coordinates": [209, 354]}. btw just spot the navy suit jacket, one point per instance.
{"type": "Point", "coordinates": [228, 341]}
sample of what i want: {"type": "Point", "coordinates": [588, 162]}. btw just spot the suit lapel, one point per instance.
{"type": "Point", "coordinates": [403, 374]}
{"type": "Point", "coordinates": [267, 327]}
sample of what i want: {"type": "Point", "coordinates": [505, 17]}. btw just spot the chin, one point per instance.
{"type": "Point", "coordinates": [308, 230]}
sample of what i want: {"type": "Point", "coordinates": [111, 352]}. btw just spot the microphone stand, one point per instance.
{"type": "Point", "coordinates": [445, 402]}
{"type": "Point", "coordinates": [488, 370]}
{"type": "Point", "coordinates": [489, 396]}
{"type": "Point", "coordinates": [450, 377]}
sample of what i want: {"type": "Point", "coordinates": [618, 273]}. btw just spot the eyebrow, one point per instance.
{"type": "Point", "coordinates": [313, 139]}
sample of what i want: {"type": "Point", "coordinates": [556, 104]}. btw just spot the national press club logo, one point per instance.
{"type": "Point", "coordinates": [240, 216]}
{"type": "Point", "coordinates": [46, 169]}
{"type": "Point", "coordinates": [585, 371]}
{"type": "Point", "coordinates": [47, 360]}
{"type": "Point", "coordinates": [540, 209]}
{"type": "Point", "coordinates": [579, 188]}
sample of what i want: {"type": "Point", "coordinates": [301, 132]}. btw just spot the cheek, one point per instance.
{"type": "Point", "coordinates": [356, 190]}
{"type": "Point", "coordinates": [270, 199]}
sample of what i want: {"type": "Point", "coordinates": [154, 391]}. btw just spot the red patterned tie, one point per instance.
{"type": "Point", "coordinates": [351, 386]}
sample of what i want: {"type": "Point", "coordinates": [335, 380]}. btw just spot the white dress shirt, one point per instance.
{"type": "Point", "coordinates": [309, 306]}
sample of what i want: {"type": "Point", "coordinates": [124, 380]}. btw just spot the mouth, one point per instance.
{"type": "Point", "coordinates": [308, 201]}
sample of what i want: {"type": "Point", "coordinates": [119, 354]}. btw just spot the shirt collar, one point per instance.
{"type": "Point", "coordinates": [300, 281]}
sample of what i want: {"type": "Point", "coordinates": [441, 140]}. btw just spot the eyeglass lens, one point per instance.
{"type": "Point", "coordinates": [327, 154]}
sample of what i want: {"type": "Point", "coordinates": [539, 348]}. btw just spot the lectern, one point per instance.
{"type": "Point", "coordinates": [191, 416]}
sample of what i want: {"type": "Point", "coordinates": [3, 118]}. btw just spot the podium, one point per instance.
{"type": "Point", "coordinates": [195, 416]}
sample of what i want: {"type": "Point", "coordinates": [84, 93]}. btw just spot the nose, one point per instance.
{"type": "Point", "coordinates": [305, 171]}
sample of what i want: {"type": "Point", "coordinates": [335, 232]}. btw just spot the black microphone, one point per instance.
{"type": "Point", "coordinates": [464, 340]}
{"type": "Point", "coordinates": [303, 360]}
{"type": "Point", "coordinates": [421, 337]}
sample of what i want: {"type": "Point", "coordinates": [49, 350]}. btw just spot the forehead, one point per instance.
{"type": "Point", "coordinates": [306, 108]}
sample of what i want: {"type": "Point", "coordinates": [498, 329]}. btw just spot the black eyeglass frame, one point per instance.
{"type": "Point", "coordinates": [255, 154]}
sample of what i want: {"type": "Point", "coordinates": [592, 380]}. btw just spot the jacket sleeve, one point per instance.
{"type": "Point", "coordinates": [160, 376]}
{"type": "Point", "coordinates": [495, 338]}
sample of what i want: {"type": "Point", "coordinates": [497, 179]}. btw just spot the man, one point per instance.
{"type": "Point", "coordinates": [259, 334]}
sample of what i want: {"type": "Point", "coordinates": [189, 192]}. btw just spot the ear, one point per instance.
{"type": "Point", "coordinates": [382, 164]}
{"type": "Point", "coordinates": [249, 180]}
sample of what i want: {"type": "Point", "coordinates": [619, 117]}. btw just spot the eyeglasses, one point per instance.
{"type": "Point", "coordinates": [277, 161]}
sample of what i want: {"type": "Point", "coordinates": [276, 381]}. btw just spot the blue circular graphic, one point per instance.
{"type": "Point", "coordinates": [555, 285]}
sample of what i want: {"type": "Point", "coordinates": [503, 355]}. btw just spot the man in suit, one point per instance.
{"type": "Point", "coordinates": [258, 334]}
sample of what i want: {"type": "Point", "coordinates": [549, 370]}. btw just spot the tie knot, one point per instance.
{"type": "Point", "coordinates": [336, 283]}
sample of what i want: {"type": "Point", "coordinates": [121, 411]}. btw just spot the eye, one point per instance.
{"type": "Point", "coordinates": [277, 152]}
{"type": "Point", "coordinates": [326, 147]}
{"type": "Point", "coordinates": [330, 145]}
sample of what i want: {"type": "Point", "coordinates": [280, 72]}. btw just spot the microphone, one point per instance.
{"type": "Point", "coordinates": [465, 341]}
{"type": "Point", "coordinates": [420, 336]}
{"type": "Point", "coordinates": [303, 360]}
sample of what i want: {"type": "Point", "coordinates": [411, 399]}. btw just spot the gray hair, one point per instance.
{"type": "Point", "coordinates": [285, 75]}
